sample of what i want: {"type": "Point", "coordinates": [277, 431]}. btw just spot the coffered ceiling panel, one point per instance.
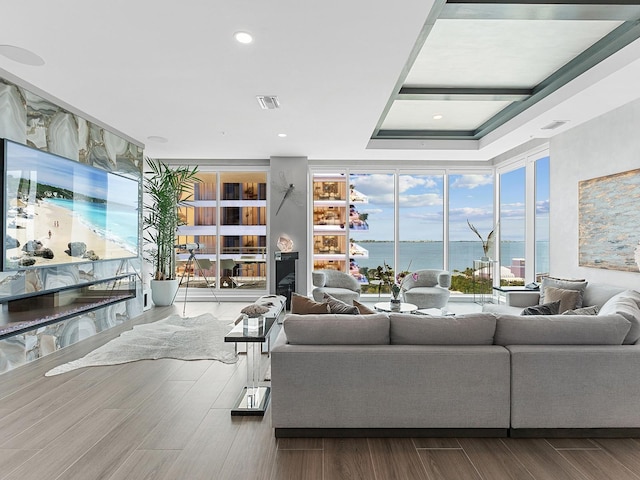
{"type": "Point", "coordinates": [458, 115]}
{"type": "Point", "coordinates": [479, 64]}
{"type": "Point", "coordinates": [501, 53]}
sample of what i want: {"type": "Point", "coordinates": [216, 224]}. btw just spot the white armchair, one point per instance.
{"type": "Point", "coordinates": [429, 290]}
{"type": "Point", "coordinates": [339, 285]}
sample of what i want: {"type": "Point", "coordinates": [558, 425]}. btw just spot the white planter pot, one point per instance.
{"type": "Point", "coordinates": [163, 292]}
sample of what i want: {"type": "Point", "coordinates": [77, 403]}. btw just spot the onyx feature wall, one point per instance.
{"type": "Point", "coordinates": [605, 145]}
{"type": "Point", "coordinates": [29, 118]}
{"type": "Point", "coordinates": [292, 218]}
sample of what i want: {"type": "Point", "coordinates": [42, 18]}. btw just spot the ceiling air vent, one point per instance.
{"type": "Point", "coordinates": [268, 102]}
{"type": "Point", "coordinates": [555, 124]}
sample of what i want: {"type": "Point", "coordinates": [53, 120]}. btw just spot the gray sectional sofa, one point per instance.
{"type": "Point", "coordinates": [476, 374]}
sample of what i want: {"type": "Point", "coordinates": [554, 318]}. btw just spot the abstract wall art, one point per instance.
{"type": "Point", "coordinates": [609, 222]}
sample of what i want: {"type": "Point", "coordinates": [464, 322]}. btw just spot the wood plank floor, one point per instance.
{"type": "Point", "coordinates": [169, 419]}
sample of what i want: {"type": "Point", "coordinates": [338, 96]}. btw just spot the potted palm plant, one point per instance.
{"type": "Point", "coordinates": [166, 189]}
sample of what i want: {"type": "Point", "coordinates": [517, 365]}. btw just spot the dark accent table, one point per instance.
{"type": "Point", "coordinates": [286, 274]}
{"type": "Point", "coordinates": [254, 398]}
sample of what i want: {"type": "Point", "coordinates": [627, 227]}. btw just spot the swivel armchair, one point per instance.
{"type": "Point", "coordinates": [339, 285]}
{"type": "Point", "coordinates": [429, 290]}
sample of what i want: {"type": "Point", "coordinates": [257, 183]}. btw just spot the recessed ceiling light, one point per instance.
{"type": "Point", "coordinates": [438, 116]}
{"type": "Point", "coordinates": [157, 138]}
{"type": "Point", "coordinates": [21, 55]}
{"type": "Point", "coordinates": [282, 135]}
{"type": "Point", "coordinates": [243, 37]}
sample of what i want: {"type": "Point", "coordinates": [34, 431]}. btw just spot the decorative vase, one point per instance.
{"type": "Point", "coordinates": [163, 292]}
{"type": "Point", "coordinates": [394, 305]}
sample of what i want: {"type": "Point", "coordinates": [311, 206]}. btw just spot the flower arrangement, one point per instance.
{"type": "Point", "coordinates": [394, 282]}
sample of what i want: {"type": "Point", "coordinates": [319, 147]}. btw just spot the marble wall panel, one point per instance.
{"type": "Point", "coordinates": [30, 119]}
{"type": "Point", "coordinates": [26, 347]}
{"type": "Point", "coordinates": [13, 106]}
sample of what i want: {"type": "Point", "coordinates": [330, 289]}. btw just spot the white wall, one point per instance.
{"type": "Point", "coordinates": [606, 145]}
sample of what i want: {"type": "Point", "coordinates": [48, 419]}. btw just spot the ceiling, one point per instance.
{"type": "Point", "coordinates": [354, 82]}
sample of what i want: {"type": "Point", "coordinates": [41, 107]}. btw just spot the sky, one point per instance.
{"type": "Point", "coordinates": [57, 171]}
{"type": "Point", "coordinates": [422, 205]}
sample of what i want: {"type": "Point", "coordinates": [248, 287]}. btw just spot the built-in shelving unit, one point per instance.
{"type": "Point", "coordinates": [335, 214]}
{"type": "Point", "coordinates": [37, 309]}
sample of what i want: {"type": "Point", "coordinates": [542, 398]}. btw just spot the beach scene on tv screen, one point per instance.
{"type": "Point", "coordinates": [60, 211]}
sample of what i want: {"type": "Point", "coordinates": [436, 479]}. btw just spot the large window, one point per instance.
{"type": "Point", "coordinates": [420, 221]}
{"type": "Point", "coordinates": [470, 202]}
{"type": "Point", "coordinates": [542, 217]}
{"type": "Point", "coordinates": [363, 220]}
{"type": "Point", "coordinates": [524, 219]}
{"type": "Point", "coordinates": [233, 249]}
{"type": "Point", "coordinates": [512, 229]}
{"type": "Point", "coordinates": [371, 226]}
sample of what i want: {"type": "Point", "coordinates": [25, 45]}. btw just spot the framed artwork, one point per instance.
{"type": "Point", "coordinates": [609, 222]}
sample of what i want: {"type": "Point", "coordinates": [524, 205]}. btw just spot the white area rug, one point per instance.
{"type": "Point", "coordinates": [197, 338]}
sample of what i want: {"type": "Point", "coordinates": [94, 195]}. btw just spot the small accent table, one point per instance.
{"type": "Point", "coordinates": [404, 307]}
{"type": "Point", "coordinates": [505, 289]}
{"type": "Point", "coordinates": [254, 397]}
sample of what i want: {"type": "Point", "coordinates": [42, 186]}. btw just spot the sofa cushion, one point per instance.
{"type": "Point", "coordinates": [336, 329]}
{"type": "Point", "coordinates": [592, 310]}
{"type": "Point", "coordinates": [627, 304]}
{"type": "Point", "coordinates": [599, 293]}
{"type": "Point", "coordinates": [569, 299]}
{"type": "Point", "coordinates": [544, 309]}
{"type": "Point", "coordinates": [305, 306]}
{"type": "Point", "coordinates": [469, 329]}
{"type": "Point", "coordinates": [338, 306]}
{"type": "Point", "coordinates": [561, 330]}
{"type": "Point", "coordinates": [362, 308]}
{"type": "Point", "coordinates": [564, 283]}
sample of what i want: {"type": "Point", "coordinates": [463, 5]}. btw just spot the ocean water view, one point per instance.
{"type": "Point", "coordinates": [113, 224]}
{"type": "Point", "coordinates": [422, 255]}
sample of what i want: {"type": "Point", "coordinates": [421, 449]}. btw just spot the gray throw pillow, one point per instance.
{"type": "Point", "coordinates": [552, 308]}
{"type": "Point", "coordinates": [569, 299]}
{"type": "Point", "coordinates": [592, 310]}
{"type": "Point", "coordinates": [564, 283]}
{"type": "Point", "coordinates": [338, 306]}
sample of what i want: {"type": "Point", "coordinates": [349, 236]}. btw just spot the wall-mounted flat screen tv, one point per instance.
{"type": "Point", "coordinates": [59, 211]}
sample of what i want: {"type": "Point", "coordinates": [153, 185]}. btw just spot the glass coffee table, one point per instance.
{"type": "Point", "coordinates": [404, 307]}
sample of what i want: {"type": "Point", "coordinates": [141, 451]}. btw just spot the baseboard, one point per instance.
{"type": "Point", "coordinates": [574, 432]}
{"type": "Point", "coordinates": [389, 432]}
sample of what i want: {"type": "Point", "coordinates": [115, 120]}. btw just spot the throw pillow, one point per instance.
{"type": "Point", "coordinates": [569, 299]}
{"type": "Point", "coordinates": [305, 306]}
{"type": "Point", "coordinates": [592, 310]}
{"type": "Point", "coordinates": [338, 306]}
{"type": "Point", "coordinates": [254, 310]}
{"type": "Point", "coordinates": [564, 283]}
{"type": "Point", "coordinates": [362, 308]}
{"type": "Point", "coordinates": [544, 309]}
